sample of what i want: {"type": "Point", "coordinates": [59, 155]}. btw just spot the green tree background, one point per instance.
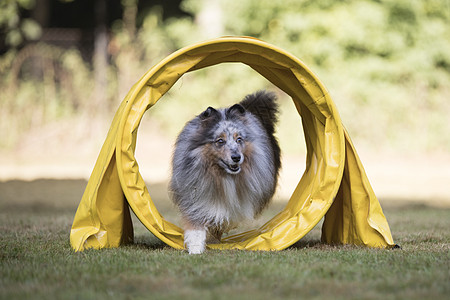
{"type": "Point", "coordinates": [386, 64]}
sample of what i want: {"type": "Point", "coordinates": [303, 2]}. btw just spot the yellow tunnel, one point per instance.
{"type": "Point", "coordinates": [333, 185]}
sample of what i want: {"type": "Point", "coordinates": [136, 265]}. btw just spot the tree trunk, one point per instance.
{"type": "Point", "coordinates": [100, 56]}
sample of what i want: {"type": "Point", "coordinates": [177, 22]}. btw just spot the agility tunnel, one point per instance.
{"type": "Point", "coordinates": [333, 185]}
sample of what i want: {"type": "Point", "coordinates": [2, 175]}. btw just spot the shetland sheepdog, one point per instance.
{"type": "Point", "coordinates": [225, 168]}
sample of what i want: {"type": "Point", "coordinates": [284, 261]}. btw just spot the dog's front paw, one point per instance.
{"type": "Point", "coordinates": [196, 249]}
{"type": "Point", "coordinates": [194, 241]}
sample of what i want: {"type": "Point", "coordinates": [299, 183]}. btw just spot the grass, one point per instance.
{"type": "Point", "coordinates": [38, 263]}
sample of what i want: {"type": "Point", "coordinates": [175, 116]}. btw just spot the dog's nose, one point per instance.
{"type": "Point", "coordinates": [236, 157]}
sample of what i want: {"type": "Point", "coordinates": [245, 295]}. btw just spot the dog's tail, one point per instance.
{"type": "Point", "coordinates": [264, 106]}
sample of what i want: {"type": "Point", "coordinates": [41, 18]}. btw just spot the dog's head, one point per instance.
{"type": "Point", "coordinates": [226, 136]}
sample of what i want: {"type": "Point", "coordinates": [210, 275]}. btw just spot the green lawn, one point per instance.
{"type": "Point", "coordinates": [38, 263]}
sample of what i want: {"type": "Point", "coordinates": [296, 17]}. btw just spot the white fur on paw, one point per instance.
{"type": "Point", "coordinates": [194, 240]}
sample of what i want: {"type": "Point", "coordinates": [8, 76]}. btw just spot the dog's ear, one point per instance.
{"type": "Point", "coordinates": [235, 110]}
{"type": "Point", "coordinates": [209, 113]}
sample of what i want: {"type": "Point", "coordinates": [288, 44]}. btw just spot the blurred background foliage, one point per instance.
{"type": "Point", "coordinates": [386, 63]}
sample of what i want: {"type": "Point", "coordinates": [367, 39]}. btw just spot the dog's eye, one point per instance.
{"type": "Point", "coordinates": [239, 140]}
{"type": "Point", "coordinates": [220, 142]}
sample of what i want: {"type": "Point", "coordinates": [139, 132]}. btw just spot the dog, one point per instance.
{"type": "Point", "coordinates": [225, 168]}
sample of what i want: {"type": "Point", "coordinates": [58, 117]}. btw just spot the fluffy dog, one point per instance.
{"type": "Point", "coordinates": [225, 167]}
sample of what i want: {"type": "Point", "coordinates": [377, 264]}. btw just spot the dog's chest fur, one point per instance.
{"type": "Point", "coordinates": [223, 203]}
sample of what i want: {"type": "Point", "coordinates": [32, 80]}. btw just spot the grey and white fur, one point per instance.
{"type": "Point", "coordinates": [225, 167]}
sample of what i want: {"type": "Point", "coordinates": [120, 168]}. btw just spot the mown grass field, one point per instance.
{"type": "Point", "coordinates": [38, 263]}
